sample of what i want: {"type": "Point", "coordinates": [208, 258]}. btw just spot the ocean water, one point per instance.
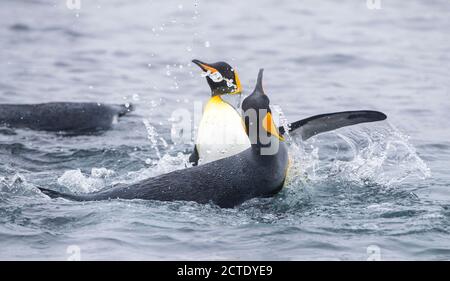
{"type": "Point", "coordinates": [378, 191]}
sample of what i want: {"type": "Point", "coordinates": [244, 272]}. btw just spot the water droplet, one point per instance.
{"type": "Point", "coordinates": [207, 44]}
{"type": "Point", "coordinates": [136, 97]}
{"type": "Point", "coordinates": [180, 7]}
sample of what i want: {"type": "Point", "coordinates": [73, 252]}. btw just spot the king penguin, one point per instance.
{"type": "Point", "coordinates": [221, 131]}
{"type": "Point", "coordinates": [257, 171]}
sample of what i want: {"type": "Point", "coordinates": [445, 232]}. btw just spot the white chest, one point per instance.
{"type": "Point", "coordinates": [221, 132]}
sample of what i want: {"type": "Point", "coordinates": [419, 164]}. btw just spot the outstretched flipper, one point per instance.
{"type": "Point", "coordinates": [314, 125]}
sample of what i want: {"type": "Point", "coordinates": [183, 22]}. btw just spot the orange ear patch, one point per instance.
{"type": "Point", "coordinates": [238, 84]}
{"type": "Point", "coordinates": [269, 126]}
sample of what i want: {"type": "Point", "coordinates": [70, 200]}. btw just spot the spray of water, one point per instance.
{"type": "Point", "coordinates": [17, 185]}
{"type": "Point", "coordinates": [152, 135]}
{"type": "Point", "coordinates": [364, 154]}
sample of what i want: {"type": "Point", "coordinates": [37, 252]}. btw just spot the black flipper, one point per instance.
{"type": "Point", "coordinates": [56, 194]}
{"type": "Point", "coordinates": [194, 157]}
{"type": "Point", "coordinates": [314, 125]}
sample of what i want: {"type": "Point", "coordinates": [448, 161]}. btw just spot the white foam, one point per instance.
{"type": "Point", "coordinates": [375, 153]}
{"type": "Point", "coordinates": [78, 182]}
{"type": "Point", "coordinates": [18, 185]}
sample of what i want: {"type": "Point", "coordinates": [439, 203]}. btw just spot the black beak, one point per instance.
{"type": "Point", "coordinates": [204, 66]}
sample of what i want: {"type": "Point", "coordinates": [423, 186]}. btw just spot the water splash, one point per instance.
{"type": "Point", "coordinates": [301, 161]}
{"type": "Point", "coordinates": [364, 154]}
{"type": "Point", "coordinates": [78, 182]}
{"type": "Point", "coordinates": [283, 121]}
{"type": "Point", "coordinates": [152, 135]}
{"type": "Point", "coordinates": [166, 164]}
{"type": "Point", "coordinates": [17, 185]}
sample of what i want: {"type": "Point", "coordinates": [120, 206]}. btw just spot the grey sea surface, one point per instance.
{"type": "Point", "coordinates": [378, 191]}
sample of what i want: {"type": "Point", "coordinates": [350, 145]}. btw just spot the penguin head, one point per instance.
{"type": "Point", "coordinates": [221, 78]}
{"type": "Point", "coordinates": [257, 114]}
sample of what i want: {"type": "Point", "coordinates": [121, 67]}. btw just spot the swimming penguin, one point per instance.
{"type": "Point", "coordinates": [221, 131]}
{"type": "Point", "coordinates": [226, 182]}
{"type": "Point", "coordinates": [62, 116]}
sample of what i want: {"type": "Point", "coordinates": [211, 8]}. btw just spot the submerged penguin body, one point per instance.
{"type": "Point", "coordinates": [226, 182]}
{"type": "Point", "coordinates": [62, 116]}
